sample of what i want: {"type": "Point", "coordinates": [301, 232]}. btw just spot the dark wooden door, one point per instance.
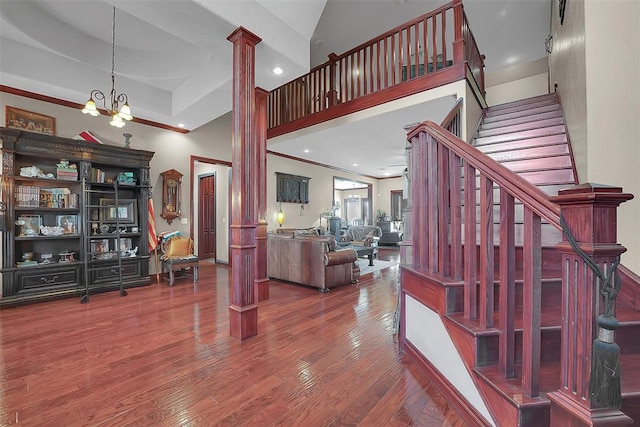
{"type": "Point", "coordinates": [207, 217]}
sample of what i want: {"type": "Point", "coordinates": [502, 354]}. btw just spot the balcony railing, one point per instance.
{"type": "Point", "coordinates": [408, 54]}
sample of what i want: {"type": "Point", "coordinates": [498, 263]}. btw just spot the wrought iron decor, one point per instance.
{"type": "Point", "coordinates": [292, 188]}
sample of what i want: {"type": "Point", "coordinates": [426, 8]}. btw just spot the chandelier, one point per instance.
{"type": "Point", "coordinates": [118, 116]}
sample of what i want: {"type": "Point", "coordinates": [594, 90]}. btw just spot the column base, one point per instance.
{"type": "Point", "coordinates": [261, 290]}
{"type": "Point", "coordinates": [566, 412]}
{"type": "Point", "coordinates": [243, 321]}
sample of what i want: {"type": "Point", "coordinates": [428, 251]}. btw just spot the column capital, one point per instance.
{"type": "Point", "coordinates": [242, 33]}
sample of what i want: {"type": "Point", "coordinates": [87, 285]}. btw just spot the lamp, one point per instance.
{"type": "Point", "coordinates": [280, 216]}
{"type": "Point", "coordinates": [118, 117]}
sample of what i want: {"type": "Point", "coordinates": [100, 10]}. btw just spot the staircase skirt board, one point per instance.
{"type": "Point", "coordinates": [465, 410]}
{"type": "Point", "coordinates": [427, 334]}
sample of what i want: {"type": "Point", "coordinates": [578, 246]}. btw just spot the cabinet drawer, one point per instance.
{"type": "Point", "coordinates": [38, 280]}
{"type": "Point", "coordinates": [109, 272]}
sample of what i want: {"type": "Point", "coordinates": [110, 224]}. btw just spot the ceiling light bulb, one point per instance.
{"type": "Point", "coordinates": [355, 164]}
{"type": "Point", "coordinates": [306, 150]}
{"type": "Point", "coordinates": [90, 108]}
{"type": "Point", "coordinates": [277, 71]}
{"type": "Point", "coordinates": [116, 121]}
{"type": "Point", "coordinates": [180, 125]}
{"type": "Point", "coordinates": [125, 112]}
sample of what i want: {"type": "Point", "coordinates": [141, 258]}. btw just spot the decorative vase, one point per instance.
{"type": "Point", "coordinates": [126, 139]}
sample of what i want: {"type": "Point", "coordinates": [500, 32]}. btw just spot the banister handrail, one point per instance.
{"type": "Point", "coordinates": [453, 113]}
{"type": "Point", "coordinates": [518, 187]}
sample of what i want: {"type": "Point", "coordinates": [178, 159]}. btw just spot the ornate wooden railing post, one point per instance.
{"type": "Point", "coordinates": [458, 40]}
{"type": "Point", "coordinates": [261, 288]}
{"type": "Point", "coordinates": [332, 96]}
{"type": "Point", "coordinates": [243, 311]}
{"type": "Point", "coordinates": [589, 210]}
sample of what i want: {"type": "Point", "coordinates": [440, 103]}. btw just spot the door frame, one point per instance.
{"type": "Point", "coordinates": [192, 184]}
{"type": "Point", "coordinates": [215, 208]}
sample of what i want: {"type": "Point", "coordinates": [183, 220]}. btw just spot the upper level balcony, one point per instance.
{"type": "Point", "coordinates": [432, 50]}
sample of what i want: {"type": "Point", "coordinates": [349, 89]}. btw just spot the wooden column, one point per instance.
{"type": "Point", "coordinates": [590, 213]}
{"type": "Point", "coordinates": [243, 311]}
{"type": "Point", "coordinates": [261, 283]}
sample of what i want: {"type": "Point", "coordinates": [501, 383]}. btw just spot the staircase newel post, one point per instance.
{"type": "Point", "coordinates": [589, 211]}
{"type": "Point", "coordinates": [333, 94]}
{"type": "Point", "coordinates": [406, 245]}
{"type": "Point", "coordinates": [458, 40]}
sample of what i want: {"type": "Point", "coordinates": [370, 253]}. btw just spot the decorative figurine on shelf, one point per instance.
{"type": "Point", "coordinates": [94, 228]}
{"type": "Point", "coordinates": [127, 136]}
{"type": "Point", "coordinates": [21, 223]}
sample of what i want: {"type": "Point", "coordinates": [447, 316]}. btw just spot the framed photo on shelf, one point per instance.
{"type": "Point", "coordinates": [68, 223]}
{"type": "Point", "coordinates": [125, 244]}
{"type": "Point", "coordinates": [100, 248]}
{"type": "Point", "coordinates": [29, 225]}
{"type": "Point", "coordinates": [27, 120]}
{"type": "Point", "coordinates": [125, 213]}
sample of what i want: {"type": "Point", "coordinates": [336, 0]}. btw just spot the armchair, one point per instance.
{"type": "Point", "coordinates": [363, 235]}
{"type": "Point", "coordinates": [177, 255]}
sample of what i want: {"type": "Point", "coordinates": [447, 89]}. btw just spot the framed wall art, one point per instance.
{"type": "Point", "coordinates": [125, 213]}
{"type": "Point", "coordinates": [16, 118]}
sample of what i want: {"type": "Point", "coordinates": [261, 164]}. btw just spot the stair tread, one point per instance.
{"type": "Point", "coordinates": [518, 127]}
{"type": "Point", "coordinates": [551, 319]}
{"type": "Point", "coordinates": [524, 113]}
{"type": "Point", "coordinates": [550, 379]}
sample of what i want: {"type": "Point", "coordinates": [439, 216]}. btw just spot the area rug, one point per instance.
{"type": "Point", "coordinates": [377, 265]}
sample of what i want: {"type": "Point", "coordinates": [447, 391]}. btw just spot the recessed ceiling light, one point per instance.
{"type": "Point", "coordinates": [306, 150]}
{"type": "Point", "coordinates": [277, 71]}
{"type": "Point", "coordinates": [511, 60]}
{"type": "Point", "coordinates": [387, 174]}
{"type": "Point", "coordinates": [355, 164]}
{"type": "Point", "coordinates": [180, 125]}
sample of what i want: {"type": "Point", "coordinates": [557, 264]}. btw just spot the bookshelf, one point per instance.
{"type": "Point", "coordinates": [59, 194]}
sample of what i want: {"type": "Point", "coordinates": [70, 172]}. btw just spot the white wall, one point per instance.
{"type": "Point", "coordinates": [518, 82]}
{"type": "Point", "coordinates": [320, 192]}
{"type": "Point", "coordinates": [385, 186]}
{"type": "Point", "coordinates": [596, 64]}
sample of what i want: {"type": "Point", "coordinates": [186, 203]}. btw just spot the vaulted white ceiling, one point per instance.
{"type": "Point", "coordinates": [175, 64]}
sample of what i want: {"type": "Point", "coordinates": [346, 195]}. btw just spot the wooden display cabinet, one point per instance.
{"type": "Point", "coordinates": [55, 183]}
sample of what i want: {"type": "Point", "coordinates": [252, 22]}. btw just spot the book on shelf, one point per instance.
{"type": "Point", "coordinates": [27, 196]}
{"type": "Point", "coordinates": [97, 175]}
{"type": "Point", "coordinates": [67, 174]}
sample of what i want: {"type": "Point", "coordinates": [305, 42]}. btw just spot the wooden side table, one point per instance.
{"type": "Point", "coordinates": [171, 265]}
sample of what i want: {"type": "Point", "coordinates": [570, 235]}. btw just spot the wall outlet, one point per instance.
{"type": "Point", "coordinates": [184, 220]}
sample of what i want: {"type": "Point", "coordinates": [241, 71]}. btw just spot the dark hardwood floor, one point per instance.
{"type": "Point", "coordinates": [162, 356]}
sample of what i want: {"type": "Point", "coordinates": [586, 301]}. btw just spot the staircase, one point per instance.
{"type": "Point", "coordinates": [529, 138]}
{"type": "Point", "coordinates": [505, 318]}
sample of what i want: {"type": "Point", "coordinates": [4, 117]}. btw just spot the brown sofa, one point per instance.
{"type": "Point", "coordinates": [308, 260]}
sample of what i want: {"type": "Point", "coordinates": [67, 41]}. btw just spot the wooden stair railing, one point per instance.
{"type": "Point", "coordinates": [419, 48]}
{"type": "Point", "coordinates": [447, 240]}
